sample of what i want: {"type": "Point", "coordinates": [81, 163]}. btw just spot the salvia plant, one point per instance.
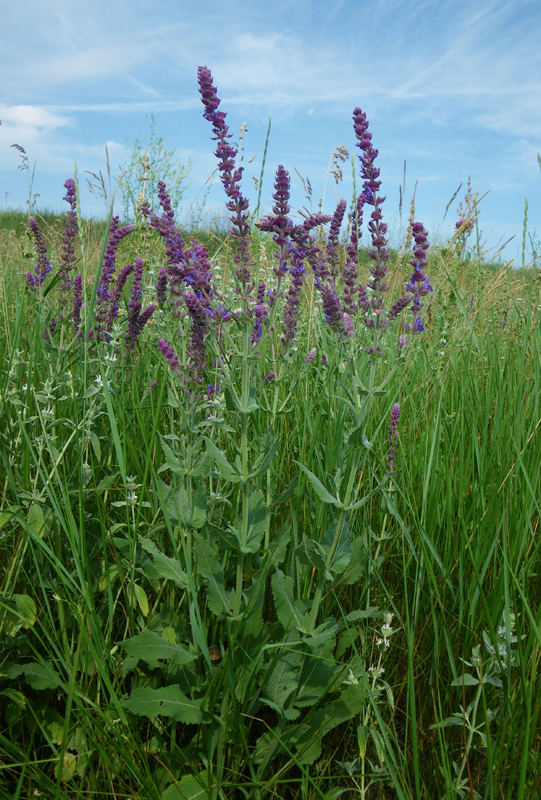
{"type": "Point", "coordinates": [212, 570]}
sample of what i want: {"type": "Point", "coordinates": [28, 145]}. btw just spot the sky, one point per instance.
{"type": "Point", "coordinates": [451, 88]}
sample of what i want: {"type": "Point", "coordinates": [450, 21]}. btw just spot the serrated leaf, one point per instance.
{"type": "Point", "coordinates": [227, 472]}
{"type": "Point", "coordinates": [270, 444]}
{"type": "Point", "coordinates": [209, 567]}
{"type": "Point", "coordinates": [282, 681]}
{"type": "Point", "coordinates": [366, 613]}
{"type": "Point", "coordinates": [39, 676]}
{"type": "Point", "coordinates": [149, 646]}
{"type": "Point", "coordinates": [286, 608]}
{"type": "Point", "coordinates": [166, 567]}
{"type": "Point", "coordinates": [168, 701]}
{"type": "Point", "coordinates": [172, 461]}
{"type": "Point", "coordinates": [5, 516]}
{"type": "Point", "coordinates": [257, 522]}
{"type": "Point", "coordinates": [319, 489]}
{"type": "Point", "coordinates": [311, 554]}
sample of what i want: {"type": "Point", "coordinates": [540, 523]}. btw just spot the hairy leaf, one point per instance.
{"type": "Point", "coordinates": [149, 646]}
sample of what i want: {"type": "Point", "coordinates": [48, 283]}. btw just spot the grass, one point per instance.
{"type": "Point", "coordinates": [232, 595]}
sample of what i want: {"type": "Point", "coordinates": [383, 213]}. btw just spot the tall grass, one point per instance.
{"type": "Point", "coordinates": [229, 593]}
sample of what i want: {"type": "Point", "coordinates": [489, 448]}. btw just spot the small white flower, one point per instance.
{"type": "Point", "coordinates": [99, 382]}
{"type": "Point", "coordinates": [351, 679]}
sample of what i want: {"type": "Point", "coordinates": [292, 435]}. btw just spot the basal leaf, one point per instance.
{"type": "Point", "coordinates": [286, 607]}
{"type": "Point", "coordinates": [311, 554]}
{"type": "Point", "coordinates": [149, 646]}
{"type": "Point", "coordinates": [192, 787]}
{"type": "Point", "coordinates": [173, 462]}
{"type": "Point", "coordinates": [168, 701]}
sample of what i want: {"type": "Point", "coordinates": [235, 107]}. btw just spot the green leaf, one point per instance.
{"type": "Point", "coordinates": [5, 516]}
{"type": "Point", "coordinates": [311, 554]}
{"type": "Point", "coordinates": [142, 599]}
{"type": "Point", "coordinates": [209, 567]}
{"type": "Point", "coordinates": [359, 563]}
{"type": "Point", "coordinates": [283, 678]}
{"type": "Point", "coordinates": [26, 608]}
{"type": "Point", "coordinates": [192, 787]}
{"type": "Point", "coordinates": [172, 461]}
{"type": "Point", "coordinates": [168, 701]}
{"type": "Point", "coordinates": [35, 519]}
{"type": "Point", "coordinates": [149, 646]}
{"type": "Point", "coordinates": [227, 472]}
{"type": "Point", "coordinates": [465, 680]}
{"type": "Point", "coordinates": [39, 676]}
{"type": "Point", "coordinates": [286, 607]}
{"type": "Point", "coordinates": [319, 489]}
{"type": "Point", "coordinates": [257, 522]}
{"type": "Point", "coordinates": [166, 567]}
{"type": "Point", "coordinates": [263, 462]}
{"type": "Point", "coordinates": [342, 554]}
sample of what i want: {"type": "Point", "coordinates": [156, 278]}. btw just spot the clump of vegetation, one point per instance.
{"type": "Point", "coordinates": [266, 532]}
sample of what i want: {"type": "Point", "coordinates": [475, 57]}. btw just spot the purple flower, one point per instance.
{"type": "Point", "coordinates": [419, 284]}
{"type": "Point", "coordinates": [136, 319]}
{"type": "Point", "coordinates": [378, 229]}
{"type": "Point", "coordinates": [77, 303]}
{"type": "Point", "coordinates": [67, 258]}
{"type": "Point", "coordinates": [43, 267]}
{"type": "Point", "coordinates": [198, 334]}
{"type": "Point", "coordinates": [311, 356]}
{"type": "Point", "coordinates": [334, 233]}
{"type": "Point", "coordinates": [229, 174]}
{"type": "Point", "coordinates": [169, 354]}
{"type": "Point", "coordinates": [105, 307]}
{"type": "Point", "coordinates": [393, 438]}
{"type": "Point", "coordinates": [260, 313]}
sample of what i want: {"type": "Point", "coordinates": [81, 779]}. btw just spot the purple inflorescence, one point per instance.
{"type": "Point", "coordinates": [334, 232]}
{"type": "Point", "coordinates": [419, 284]}
{"type": "Point", "coordinates": [393, 438]}
{"type": "Point", "coordinates": [230, 175]}
{"type": "Point", "coordinates": [137, 319]}
{"type": "Point", "coordinates": [67, 258]}
{"type": "Point", "coordinates": [106, 306]}
{"type": "Point", "coordinates": [161, 287]}
{"type": "Point", "coordinates": [77, 303]}
{"type": "Point", "coordinates": [43, 267]}
{"type": "Point", "coordinates": [378, 229]}
{"type": "Point", "coordinates": [260, 313]}
{"type": "Point", "coordinates": [199, 331]}
{"type": "Point", "coordinates": [169, 354]}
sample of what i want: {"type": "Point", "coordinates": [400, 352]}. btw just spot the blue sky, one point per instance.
{"type": "Point", "coordinates": [454, 88]}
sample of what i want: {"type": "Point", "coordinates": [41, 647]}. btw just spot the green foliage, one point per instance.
{"type": "Point", "coordinates": [151, 162]}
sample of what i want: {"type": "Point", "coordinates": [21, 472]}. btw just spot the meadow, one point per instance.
{"type": "Point", "coordinates": [270, 501]}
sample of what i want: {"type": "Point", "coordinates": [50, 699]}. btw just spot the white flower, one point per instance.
{"type": "Point", "coordinates": [99, 382]}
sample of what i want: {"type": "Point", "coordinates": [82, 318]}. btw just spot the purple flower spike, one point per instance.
{"type": "Point", "coordinates": [419, 284]}
{"type": "Point", "coordinates": [136, 319]}
{"type": "Point", "coordinates": [77, 303]}
{"type": "Point", "coordinates": [393, 438]}
{"type": "Point", "coordinates": [43, 267]}
{"type": "Point", "coordinates": [378, 229]}
{"type": "Point", "coordinates": [169, 354]}
{"type": "Point", "coordinates": [334, 233]}
{"type": "Point", "coordinates": [67, 258]}
{"type": "Point", "coordinates": [229, 174]}
{"type": "Point", "coordinates": [161, 287]}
